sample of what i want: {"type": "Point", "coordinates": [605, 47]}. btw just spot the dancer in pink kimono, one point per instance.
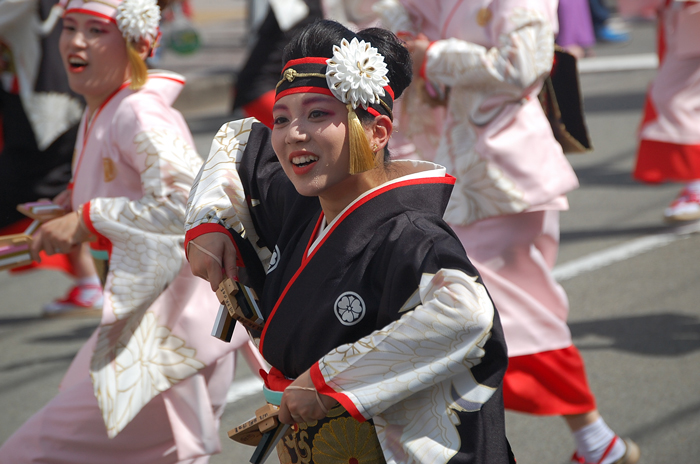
{"type": "Point", "coordinates": [490, 57]}
{"type": "Point", "coordinates": [669, 146]}
{"type": "Point", "coordinates": [150, 384]}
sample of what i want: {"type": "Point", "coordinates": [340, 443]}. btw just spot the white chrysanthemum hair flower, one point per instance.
{"type": "Point", "coordinates": [138, 19]}
{"type": "Point", "coordinates": [357, 73]}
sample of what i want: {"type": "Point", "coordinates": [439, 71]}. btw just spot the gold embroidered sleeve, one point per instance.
{"type": "Point", "coordinates": [217, 195]}
{"type": "Point", "coordinates": [523, 55]}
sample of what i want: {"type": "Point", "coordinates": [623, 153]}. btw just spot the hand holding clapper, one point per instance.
{"type": "Point", "coordinates": [14, 249]}
{"type": "Point", "coordinates": [238, 303]}
{"type": "Point", "coordinates": [263, 431]}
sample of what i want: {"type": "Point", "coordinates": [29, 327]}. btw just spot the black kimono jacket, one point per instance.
{"type": "Point", "coordinates": [382, 305]}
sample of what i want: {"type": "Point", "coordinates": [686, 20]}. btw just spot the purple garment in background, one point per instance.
{"type": "Point", "coordinates": [575, 25]}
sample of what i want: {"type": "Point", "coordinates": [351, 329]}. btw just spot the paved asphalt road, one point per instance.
{"type": "Point", "coordinates": [635, 311]}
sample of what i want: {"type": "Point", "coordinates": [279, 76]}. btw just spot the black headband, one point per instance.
{"type": "Point", "coordinates": [308, 75]}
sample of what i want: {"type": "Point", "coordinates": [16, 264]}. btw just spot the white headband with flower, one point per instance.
{"type": "Point", "coordinates": [138, 19]}
{"type": "Point", "coordinates": [356, 74]}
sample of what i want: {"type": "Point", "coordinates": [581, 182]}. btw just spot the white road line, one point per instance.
{"type": "Point", "coordinates": [241, 389]}
{"type": "Point", "coordinates": [618, 63]}
{"type": "Point", "coordinates": [600, 259]}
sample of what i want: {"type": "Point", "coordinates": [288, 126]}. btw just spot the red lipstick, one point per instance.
{"type": "Point", "coordinates": [302, 161]}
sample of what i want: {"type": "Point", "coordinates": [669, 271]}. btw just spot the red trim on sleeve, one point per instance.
{"type": "Point", "coordinates": [421, 73]}
{"type": "Point", "coordinates": [87, 220]}
{"type": "Point", "coordinates": [210, 228]}
{"type": "Point", "coordinates": [205, 229]}
{"type": "Point", "coordinates": [323, 388]}
{"type": "Point", "coordinates": [103, 243]}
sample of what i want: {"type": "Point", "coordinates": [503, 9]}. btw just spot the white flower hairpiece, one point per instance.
{"type": "Point", "coordinates": [138, 19]}
{"type": "Point", "coordinates": [357, 73]}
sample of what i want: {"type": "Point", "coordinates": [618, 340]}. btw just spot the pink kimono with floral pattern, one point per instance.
{"type": "Point", "coordinates": [491, 57]}
{"type": "Point", "coordinates": [150, 384]}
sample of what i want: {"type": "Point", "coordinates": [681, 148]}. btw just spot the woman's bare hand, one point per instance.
{"type": "Point", "coordinates": [205, 266]}
{"type": "Point", "coordinates": [300, 406]}
{"type": "Point", "coordinates": [59, 235]}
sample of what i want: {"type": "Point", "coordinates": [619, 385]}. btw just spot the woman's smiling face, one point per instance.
{"type": "Point", "coordinates": [94, 55]}
{"type": "Point", "coordinates": [310, 139]}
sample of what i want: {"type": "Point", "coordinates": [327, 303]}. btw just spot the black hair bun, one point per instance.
{"type": "Point", "coordinates": [318, 39]}
{"type": "Point", "coordinates": [396, 56]}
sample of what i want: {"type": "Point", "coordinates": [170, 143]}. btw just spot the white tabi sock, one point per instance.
{"type": "Point", "coordinates": [592, 441]}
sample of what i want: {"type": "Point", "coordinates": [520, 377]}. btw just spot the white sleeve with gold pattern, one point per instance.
{"type": "Point", "coordinates": [147, 234]}
{"type": "Point", "coordinates": [217, 195]}
{"type": "Point", "coordinates": [523, 55]}
{"type": "Point", "coordinates": [404, 375]}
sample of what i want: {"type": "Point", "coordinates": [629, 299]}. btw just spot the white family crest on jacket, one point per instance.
{"type": "Point", "coordinates": [412, 408]}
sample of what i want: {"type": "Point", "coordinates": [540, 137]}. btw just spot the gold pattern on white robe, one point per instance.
{"type": "Point", "coordinates": [145, 360]}
{"type": "Point", "coordinates": [404, 375]}
{"type": "Point", "coordinates": [486, 84]}
{"type": "Point", "coordinates": [136, 358]}
{"type": "Point", "coordinates": [217, 194]}
{"type": "Point", "coordinates": [522, 56]}
{"type": "Point", "coordinates": [147, 234]}
{"type": "Point", "coordinates": [482, 189]}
